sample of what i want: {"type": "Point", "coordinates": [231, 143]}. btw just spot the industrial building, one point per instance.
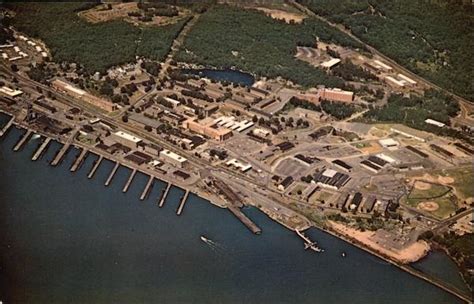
{"type": "Point", "coordinates": [208, 128]}
{"type": "Point", "coordinates": [239, 165]}
{"type": "Point", "coordinates": [409, 132]}
{"type": "Point", "coordinates": [285, 183]}
{"type": "Point", "coordinates": [173, 158]}
{"type": "Point", "coordinates": [331, 179]}
{"type": "Point", "coordinates": [69, 89]}
{"type": "Point", "coordinates": [336, 95]}
{"type": "Point", "coordinates": [10, 92]}
{"type": "Point", "coordinates": [126, 139]}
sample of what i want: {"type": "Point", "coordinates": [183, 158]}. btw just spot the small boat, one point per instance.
{"type": "Point", "coordinates": [343, 254]}
{"type": "Point", "coordinates": [204, 239]}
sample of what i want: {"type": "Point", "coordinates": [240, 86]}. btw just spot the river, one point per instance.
{"type": "Point", "coordinates": [67, 239]}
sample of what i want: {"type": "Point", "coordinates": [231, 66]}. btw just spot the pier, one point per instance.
{"type": "Point", "coordinates": [147, 188]}
{"type": "Point", "coordinates": [79, 160]}
{"type": "Point", "coordinates": [7, 126]}
{"type": "Point", "coordinates": [181, 204]}
{"type": "Point", "coordinates": [22, 141]}
{"type": "Point", "coordinates": [308, 243]}
{"type": "Point", "coordinates": [163, 198]}
{"type": "Point", "coordinates": [60, 155]}
{"type": "Point", "coordinates": [245, 220]}
{"type": "Point", "coordinates": [94, 168]}
{"type": "Point", "coordinates": [41, 149]}
{"type": "Point", "coordinates": [112, 174]}
{"type": "Point", "coordinates": [129, 182]}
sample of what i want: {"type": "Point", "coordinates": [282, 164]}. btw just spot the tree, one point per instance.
{"type": "Point", "coordinates": [14, 68]}
{"type": "Point", "coordinates": [255, 119]}
{"type": "Point", "coordinates": [125, 118]}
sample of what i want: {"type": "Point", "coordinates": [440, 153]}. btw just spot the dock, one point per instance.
{"type": "Point", "coordinates": [147, 188]}
{"type": "Point", "coordinates": [77, 164]}
{"type": "Point", "coordinates": [129, 181]}
{"type": "Point", "coordinates": [182, 203]}
{"type": "Point", "coordinates": [7, 126]}
{"type": "Point", "coordinates": [94, 168]}
{"type": "Point", "coordinates": [22, 141]}
{"type": "Point", "coordinates": [60, 155]}
{"type": "Point", "coordinates": [308, 243]}
{"type": "Point", "coordinates": [163, 198]}
{"type": "Point", "coordinates": [112, 174]}
{"type": "Point", "coordinates": [41, 149]}
{"type": "Point", "coordinates": [245, 220]}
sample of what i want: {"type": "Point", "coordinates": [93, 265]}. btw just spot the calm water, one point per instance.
{"type": "Point", "coordinates": [67, 239]}
{"type": "Point", "coordinates": [223, 75]}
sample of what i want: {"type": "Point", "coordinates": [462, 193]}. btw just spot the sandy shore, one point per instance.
{"type": "Point", "coordinates": [409, 254]}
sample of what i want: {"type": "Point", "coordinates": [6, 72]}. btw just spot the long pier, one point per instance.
{"type": "Point", "coordinates": [181, 204]}
{"type": "Point", "coordinates": [94, 168]}
{"type": "Point", "coordinates": [79, 160]}
{"type": "Point", "coordinates": [146, 190]}
{"type": "Point", "coordinates": [60, 154]}
{"type": "Point", "coordinates": [112, 174]}
{"type": "Point", "coordinates": [129, 182]}
{"type": "Point", "coordinates": [245, 220]}
{"type": "Point", "coordinates": [163, 198]}
{"type": "Point", "coordinates": [41, 149]}
{"type": "Point", "coordinates": [22, 141]}
{"type": "Point", "coordinates": [7, 126]}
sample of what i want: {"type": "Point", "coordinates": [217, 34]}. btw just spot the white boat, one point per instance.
{"type": "Point", "coordinates": [204, 239]}
{"type": "Point", "coordinates": [343, 254]}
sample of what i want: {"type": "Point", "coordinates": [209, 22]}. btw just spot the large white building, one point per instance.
{"type": "Point", "coordinates": [126, 139]}
{"type": "Point", "coordinates": [173, 158]}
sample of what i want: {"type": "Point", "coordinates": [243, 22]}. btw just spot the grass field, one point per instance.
{"type": "Point", "coordinates": [463, 181]}
{"type": "Point", "coordinates": [438, 195]}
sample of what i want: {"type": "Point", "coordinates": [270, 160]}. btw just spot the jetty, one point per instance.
{"type": "Point", "coordinates": [22, 140]}
{"type": "Point", "coordinates": [112, 174]}
{"type": "Point", "coordinates": [181, 204]}
{"type": "Point", "coordinates": [163, 198]}
{"type": "Point", "coordinates": [308, 243]}
{"type": "Point", "coordinates": [79, 160]}
{"type": "Point", "coordinates": [129, 181]}
{"type": "Point", "coordinates": [146, 190]}
{"type": "Point", "coordinates": [245, 220]}
{"type": "Point", "coordinates": [41, 149]}
{"type": "Point", "coordinates": [7, 126]}
{"type": "Point", "coordinates": [64, 149]}
{"type": "Point", "coordinates": [94, 168]}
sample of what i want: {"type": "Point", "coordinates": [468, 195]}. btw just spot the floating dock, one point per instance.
{"type": "Point", "coordinates": [181, 204]}
{"type": "Point", "coordinates": [163, 198]}
{"type": "Point", "coordinates": [129, 182]}
{"type": "Point", "coordinates": [7, 126]}
{"type": "Point", "coordinates": [23, 140]}
{"type": "Point", "coordinates": [94, 168]}
{"type": "Point", "coordinates": [147, 188]}
{"type": "Point", "coordinates": [112, 174]}
{"type": "Point", "coordinates": [245, 220]}
{"type": "Point", "coordinates": [41, 149]}
{"type": "Point", "coordinates": [79, 160]}
{"type": "Point", "coordinates": [60, 154]}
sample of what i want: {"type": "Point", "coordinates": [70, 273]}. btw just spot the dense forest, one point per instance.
{"type": "Point", "coordinates": [227, 37]}
{"type": "Point", "coordinates": [96, 46]}
{"type": "Point", "coordinates": [431, 38]}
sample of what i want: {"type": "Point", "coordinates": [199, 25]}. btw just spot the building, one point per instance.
{"type": "Point", "coordinates": [342, 165]}
{"type": "Point", "coordinates": [336, 95]}
{"type": "Point", "coordinates": [331, 179]}
{"type": "Point", "coordinates": [394, 82]}
{"type": "Point", "coordinates": [126, 139]}
{"type": "Point", "coordinates": [69, 89]}
{"type": "Point", "coordinates": [330, 63]}
{"type": "Point", "coordinates": [181, 175]}
{"type": "Point", "coordinates": [435, 123]}
{"type": "Point", "coordinates": [239, 165]}
{"type": "Point", "coordinates": [389, 143]}
{"type": "Point", "coordinates": [10, 92]}
{"type": "Point", "coordinates": [406, 79]}
{"type": "Point", "coordinates": [409, 132]}
{"type": "Point", "coordinates": [208, 128]}
{"type": "Point", "coordinates": [173, 158]}
{"type": "Point", "coordinates": [369, 204]}
{"type": "Point", "coordinates": [379, 65]}
{"type": "Point", "coordinates": [285, 183]}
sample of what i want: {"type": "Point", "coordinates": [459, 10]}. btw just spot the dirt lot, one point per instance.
{"type": "Point", "coordinates": [282, 15]}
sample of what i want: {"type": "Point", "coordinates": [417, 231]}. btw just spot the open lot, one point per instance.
{"type": "Point", "coordinates": [291, 166]}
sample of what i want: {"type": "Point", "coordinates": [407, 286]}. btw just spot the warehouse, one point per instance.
{"type": "Point", "coordinates": [336, 95]}
{"type": "Point", "coordinates": [126, 139]}
{"type": "Point", "coordinates": [173, 158]}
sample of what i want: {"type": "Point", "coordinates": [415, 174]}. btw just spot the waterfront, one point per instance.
{"type": "Point", "coordinates": [70, 239]}
{"type": "Point", "coordinates": [223, 75]}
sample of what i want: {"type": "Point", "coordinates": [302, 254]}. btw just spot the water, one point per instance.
{"type": "Point", "coordinates": [67, 239]}
{"type": "Point", "coordinates": [223, 75]}
{"type": "Point", "coordinates": [438, 264]}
